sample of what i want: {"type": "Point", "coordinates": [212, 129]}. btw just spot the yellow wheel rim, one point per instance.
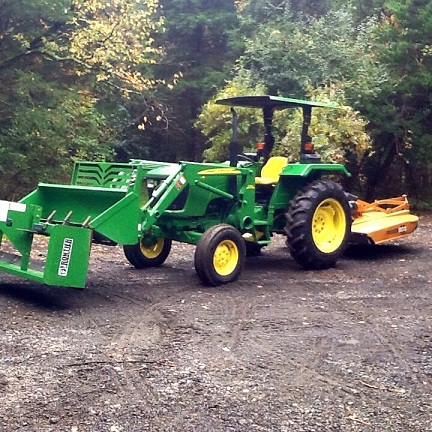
{"type": "Point", "coordinates": [226, 257]}
{"type": "Point", "coordinates": [154, 250]}
{"type": "Point", "coordinates": [328, 225]}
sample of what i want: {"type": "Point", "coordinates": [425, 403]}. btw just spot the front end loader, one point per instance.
{"type": "Point", "coordinates": [228, 210]}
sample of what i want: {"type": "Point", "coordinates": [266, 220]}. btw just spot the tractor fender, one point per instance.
{"type": "Point", "coordinates": [305, 170]}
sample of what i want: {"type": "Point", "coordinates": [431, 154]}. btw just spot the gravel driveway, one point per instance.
{"type": "Point", "coordinates": [282, 349]}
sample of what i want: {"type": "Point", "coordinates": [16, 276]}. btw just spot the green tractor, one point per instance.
{"type": "Point", "coordinates": [228, 210]}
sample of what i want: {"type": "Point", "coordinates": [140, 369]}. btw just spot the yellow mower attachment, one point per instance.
{"type": "Point", "coordinates": [382, 220]}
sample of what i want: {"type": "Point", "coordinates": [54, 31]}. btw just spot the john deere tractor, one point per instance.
{"type": "Point", "coordinates": [228, 210]}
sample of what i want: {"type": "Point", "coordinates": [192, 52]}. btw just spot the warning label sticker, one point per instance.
{"type": "Point", "coordinates": [65, 257]}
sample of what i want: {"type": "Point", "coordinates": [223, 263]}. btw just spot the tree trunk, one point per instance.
{"type": "Point", "coordinates": [380, 164]}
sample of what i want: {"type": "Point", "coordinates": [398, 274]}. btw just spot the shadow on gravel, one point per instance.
{"type": "Point", "coordinates": [374, 252]}
{"type": "Point", "coordinates": [269, 261]}
{"type": "Point", "coordinates": [40, 296]}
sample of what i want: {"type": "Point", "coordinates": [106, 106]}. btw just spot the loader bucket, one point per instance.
{"type": "Point", "coordinates": [102, 205]}
{"type": "Point", "coordinates": [382, 220]}
{"type": "Point", "coordinates": [105, 210]}
{"type": "Point", "coordinates": [68, 250]}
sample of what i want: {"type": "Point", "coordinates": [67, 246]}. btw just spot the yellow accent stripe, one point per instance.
{"type": "Point", "coordinates": [220, 171]}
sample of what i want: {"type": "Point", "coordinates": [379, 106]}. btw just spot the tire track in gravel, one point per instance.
{"type": "Point", "coordinates": [237, 313]}
{"type": "Point", "coordinates": [307, 372]}
{"type": "Point", "coordinates": [370, 391]}
{"type": "Point", "coordinates": [398, 353]}
{"type": "Point", "coordinates": [304, 371]}
{"type": "Point", "coordinates": [129, 321]}
{"type": "Point", "coordinates": [252, 347]}
{"type": "Point", "coordinates": [138, 344]}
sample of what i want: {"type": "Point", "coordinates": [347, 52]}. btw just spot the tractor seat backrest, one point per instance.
{"type": "Point", "coordinates": [271, 170]}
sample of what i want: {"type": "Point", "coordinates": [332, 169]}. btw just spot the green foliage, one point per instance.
{"type": "Point", "coordinates": [263, 11]}
{"type": "Point", "coordinates": [289, 56]}
{"type": "Point", "coordinates": [109, 41]}
{"type": "Point", "coordinates": [339, 135]}
{"type": "Point", "coordinates": [215, 120]}
{"type": "Point", "coordinates": [401, 113]}
{"type": "Point", "coordinates": [48, 129]}
{"type": "Point", "coordinates": [70, 68]}
{"type": "Point", "coordinates": [377, 53]}
{"type": "Point", "coordinates": [202, 42]}
{"type": "Point", "coordinates": [66, 67]}
{"type": "Point", "coordinates": [319, 58]}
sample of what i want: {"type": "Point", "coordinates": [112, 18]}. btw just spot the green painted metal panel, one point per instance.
{"type": "Point", "coordinates": [68, 251]}
{"type": "Point", "coordinates": [304, 170]}
{"type": "Point", "coordinates": [104, 174]}
{"type": "Point", "coordinates": [120, 221]}
{"type": "Point", "coordinates": [11, 264]}
{"type": "Point", "coordinates": [16, 222]}
{"type": "Point", "coordinates": [68, 256]}
{"type": "Point", "coordinates": [80, 200]}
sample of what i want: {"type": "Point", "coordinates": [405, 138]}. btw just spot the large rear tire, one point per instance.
{"type": "Point", "coordinates": [220, 255]}
{"type": "Point", "coordinates": [150, 252]}
{"type": "Point", "coordinates": [318, 225]}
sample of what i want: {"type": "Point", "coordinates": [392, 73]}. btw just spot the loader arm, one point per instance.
{"type": "Point", "coordinates": [162, 197]}
{"type": "Point", "coordinates": [203, 188]}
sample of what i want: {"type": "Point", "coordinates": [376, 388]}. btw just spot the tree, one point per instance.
{"type": "Point", "coordinates": [401, 114]}
{"type": "Point", "coordinates": [324, 57]}
{"type": "Point", "coordinates": [263, 11]}
{"type": "Point", "coordinates": [111, 41]}
{"type": "Point", "coordinates": [65, 68]}
{"type": "Point", "coordinates": [290, 55]}
{"type": "Point", "coordinates": [215, 120]}
{"type": "Point", "coordinates": [46, 130]}
{"type": "Point", "coordinates": [202, 42]}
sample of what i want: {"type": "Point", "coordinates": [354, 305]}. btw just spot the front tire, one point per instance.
{"type": "Point", "coordinates": [220, 255]}
{"type": "Point", "coordinates": [318, 225]}
{"type": "Point", "coordinates": [149, 252]}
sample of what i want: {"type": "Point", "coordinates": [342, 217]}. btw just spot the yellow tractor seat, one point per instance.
{"type": "Point", "coordinates": [271, 170]}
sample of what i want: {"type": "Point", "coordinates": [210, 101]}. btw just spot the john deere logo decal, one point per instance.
{"type": "Point", "coordinates": [65, 257]}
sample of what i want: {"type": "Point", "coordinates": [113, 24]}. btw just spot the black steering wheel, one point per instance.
{"type": "Point", "coordinates": [246, 158]}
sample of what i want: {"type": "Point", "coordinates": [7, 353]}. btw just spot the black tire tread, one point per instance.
{"type": "Point", "coordinates": [134, 255]}
{"type": "Point", "coordinates": [298, 226]}
{"type": "Point", "coordinates": [203, 254]}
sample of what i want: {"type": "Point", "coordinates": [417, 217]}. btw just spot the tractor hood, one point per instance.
{"type": "Point", "coordinates": [273, 102]}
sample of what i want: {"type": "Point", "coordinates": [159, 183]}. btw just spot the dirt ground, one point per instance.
{"type": "Point", "coordinates": [282, 349]}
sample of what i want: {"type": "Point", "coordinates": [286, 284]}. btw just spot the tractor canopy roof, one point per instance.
{"type": "Point", "coordinates": [273, 102]}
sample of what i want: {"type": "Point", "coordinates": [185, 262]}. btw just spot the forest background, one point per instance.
{"type": "Point", "coordinates": [121, 79]}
